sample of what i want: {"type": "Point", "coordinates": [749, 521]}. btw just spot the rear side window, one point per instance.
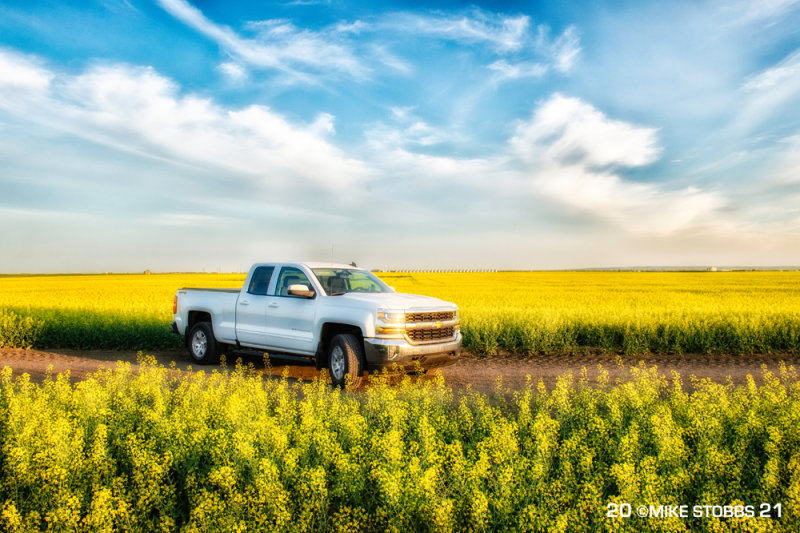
{"type": "Point", "coordinates": [260, 280]}
{"type": "Point", "coordinates": [290, 276]}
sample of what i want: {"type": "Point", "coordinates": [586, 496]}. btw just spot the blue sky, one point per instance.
{"type": "Point", "coordinates": [176, 135]}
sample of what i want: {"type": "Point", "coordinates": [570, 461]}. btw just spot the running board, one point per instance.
{"type": "Point", "coordinates": [275, 355]}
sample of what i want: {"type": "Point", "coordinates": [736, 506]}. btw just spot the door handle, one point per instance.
{"type": "Point", "coordinates": [244, 302]}
{"type": "Point", "coordinates": [273, 306]}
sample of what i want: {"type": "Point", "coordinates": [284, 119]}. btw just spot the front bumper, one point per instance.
{"type": "Point", "coordinates": [384, 353]}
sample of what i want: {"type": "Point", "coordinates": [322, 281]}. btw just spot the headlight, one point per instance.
{"type": "Point", "coordinates": [390, 324]}
{"type": "Point", "coordinates": [394, 317]}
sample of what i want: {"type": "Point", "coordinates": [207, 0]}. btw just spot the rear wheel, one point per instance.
{"type": "Point", "coordinates": [345, 360]}
{"type": "Point", "coordinates": [203, 347]}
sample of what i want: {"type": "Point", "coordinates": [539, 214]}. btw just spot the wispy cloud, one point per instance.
{"type": "Point", "coordinates": [543, 55]}
{"type": "Point", "coordinates": [360, 48]}
{"type": "Point", "coordinates": [766, 95]}
{"type": "Point", "coordinates": [765, 11]}
{"type": "Point", "coordinates": [772, 78]}
{"type": "Point", "coordinates": [501, 32]}
{"type": "Point", "coordinates": [235, 72]}
{"type": "Point", "coordinates": [564, 50]}
{"type": "Point", "coordinates": [277, 44]}
{"type": "Point", "coordinates": [524, 51]}
{"type": "Point", "coordinates": [505, 70]}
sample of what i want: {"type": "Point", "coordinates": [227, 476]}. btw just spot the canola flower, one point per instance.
{"type": "Point", "coordinates": [232, 451]}
{"type": "Point", "coordinates": [522, 312]}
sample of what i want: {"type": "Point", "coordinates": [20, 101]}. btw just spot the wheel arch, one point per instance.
{"type": "Point", "coordinates": [192, 318]}
{"type": "Point", "coordinates": [327, 332]}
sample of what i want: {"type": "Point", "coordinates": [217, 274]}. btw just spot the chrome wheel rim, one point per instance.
{"type": "Point", "coordinates": [199, 344]}
{"type": "Point", "coordinates": [337, 363]}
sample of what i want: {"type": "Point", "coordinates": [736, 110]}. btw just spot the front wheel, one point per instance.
{"type": "Point", "coordinates": [203, 347]}
{"type": "Point", "coordinates": [345, 360]}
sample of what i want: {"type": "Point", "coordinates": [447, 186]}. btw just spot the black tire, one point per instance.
{"type": "Point", "coordinates": [203, 347]}
{"type": "Point", "coordinates": [346, 360]}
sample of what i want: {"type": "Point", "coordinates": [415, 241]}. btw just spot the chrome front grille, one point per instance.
{"type": "Point", "coordinates": [432, 334]}
{"type": "Point", "coordinates": [434, 316]}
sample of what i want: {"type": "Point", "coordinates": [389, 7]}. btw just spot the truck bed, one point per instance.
{"type": "Point", "coordinates": [218, 303]}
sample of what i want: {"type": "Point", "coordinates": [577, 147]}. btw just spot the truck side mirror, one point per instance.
{"type": "Point", "coordinates": [301, 290]}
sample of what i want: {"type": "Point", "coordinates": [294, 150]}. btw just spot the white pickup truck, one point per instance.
{"type": "Point", "coordinates": [343, 317]}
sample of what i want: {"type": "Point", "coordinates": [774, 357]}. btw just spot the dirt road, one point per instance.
{"type": "Point", "coordinates": [481, 373]}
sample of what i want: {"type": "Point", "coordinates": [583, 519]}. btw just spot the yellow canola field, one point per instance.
{"type": "Point", "coordinates": [633, 312]}
{"type": "Point", "coordinates": [124, 311]}
{"type": "Point", "coordinates": [525, 312]}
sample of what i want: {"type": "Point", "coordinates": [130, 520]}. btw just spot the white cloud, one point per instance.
{"type": "Point", "coordinates": [571, 149]}
{"type": "Point", "coordinates": [139, 111]}
{"type": "Point", "coordinates": [506, 70]}
{"type": "Point", "coordinates": [323, 124]}
{"type": "Point", "coordinates": [423, 134]}
{"type": "Point", "coordinates": [560, 55]}
{"type": "Point", "coordinates": [566, 49]}
{"type": "Point", "coordinates": [465, 171]}
{"type": "Point", "coordinates": [508, 36]}
{"type": "Point", "coordinates": [382, 55]}
{"type": "Point", "coordinates": [233, 71]}
{"type": "Point", "coordinates": [634, 207]}
{"type": "Point", "coordinates": [356, 27]}
{"type": "Point", "coordinates": [568, 130]}
{"type": "Point", "coordinates": [415, 134]}
{"type": "Point", "coordinates": [568, 155]}
{"type": "Point", "coordinates": [407, 130]}
{"type": "Point", "coordinates": [421, 184]}
{"type": "Point", "coordinates": [21, 73]}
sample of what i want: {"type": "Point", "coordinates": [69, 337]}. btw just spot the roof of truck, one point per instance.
{"type": "Point", "coordinates": [317, 264]}
{"type": "Point", "coordinates": [309, 264]}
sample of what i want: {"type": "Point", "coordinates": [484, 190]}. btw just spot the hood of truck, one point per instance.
{"type": "Point", "coordinates": [395, 300]}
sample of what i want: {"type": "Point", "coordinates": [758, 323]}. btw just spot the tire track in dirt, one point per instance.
{"type": "Point", "coordinates": [477, 372]}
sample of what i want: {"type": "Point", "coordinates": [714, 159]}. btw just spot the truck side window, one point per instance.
{"type": "Point", "coordinates": [260, 281]}
{"type": "Point", "coordinates": [290, 276]}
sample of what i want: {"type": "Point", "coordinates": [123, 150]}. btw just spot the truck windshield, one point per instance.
{"type": "Point", "coordinates": [343, 280]}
